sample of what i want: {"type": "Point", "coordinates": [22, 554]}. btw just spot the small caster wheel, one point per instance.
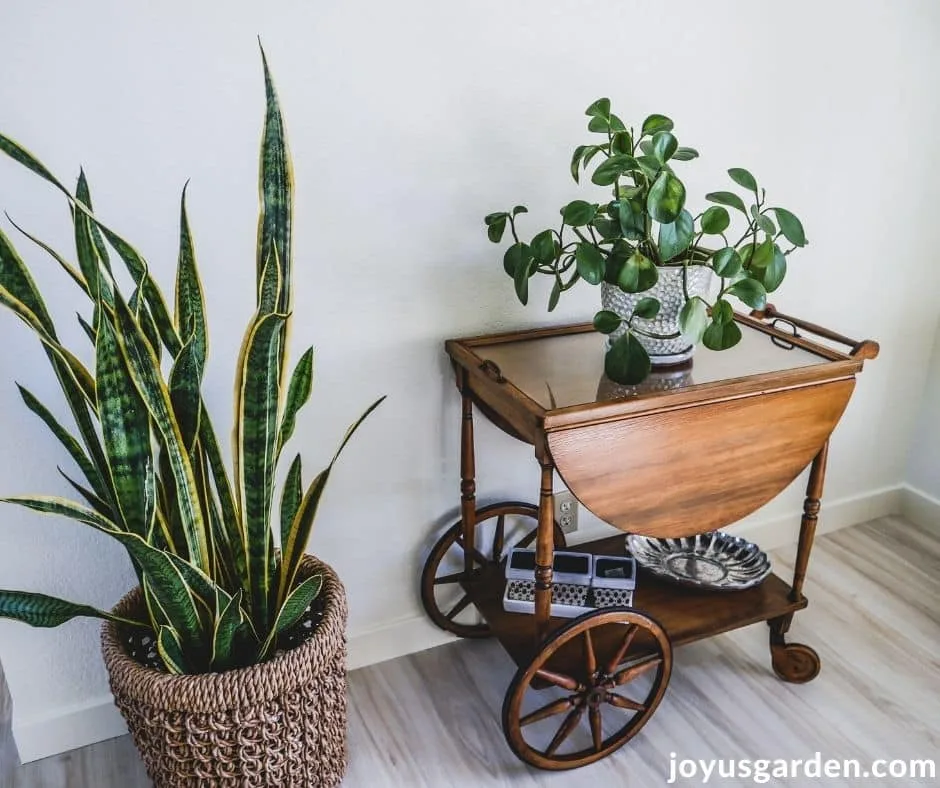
{"type": "Point", "coordinates": [609, 668]}
{"type": "Point", "coordinates": [498, 528]}
{"type": "Point", "coordinates": [794, 662]}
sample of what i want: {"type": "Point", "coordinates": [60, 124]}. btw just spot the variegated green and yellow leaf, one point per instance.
{"type": "Point", "coordinates": [40, 610]}
{"type": "Point", "coordinates": [229, 620]}
{"type": "Point", "coordinates": [298, 393]}
{"type": "Point", "coordinates": [276, 187]}
{"type": "Point", "coordinates": [190, 301]}
{"type": "Point", "coordinates": [170, 649]}
{"type": "Point", "coordinates": [16, 280]}
{"type": "Point", "coordinates": [71, 444]}
{"type": "Point", "coordinates": [293, 608]}
{"type": "Point", "coordinates": [185, 380]}
{"type": "Point", "coordinates": [125, 427]}
{"type": "Point", "coordinates": [22, 156]}
{"type": "Point", "coordinates": [145, 371]}
{"type": "Point", "coordinates": [73, 273]}
{"type": "Point", "coordinates": [292, 549]}
{"type": "Point", "coordinates": [291, 496]}
{"type": "Point", "coordinates": [257, 398]}
{"type": "Point", "coordinates": [91, 499]}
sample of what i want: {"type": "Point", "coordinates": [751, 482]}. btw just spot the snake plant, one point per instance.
{"type": "Point", "coordinates": [202, 542]}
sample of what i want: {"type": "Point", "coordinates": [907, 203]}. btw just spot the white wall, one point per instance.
{"type": "Point", "coordinates": [924, 467]}
{"type": "Point", "coordinates": [409, 121]}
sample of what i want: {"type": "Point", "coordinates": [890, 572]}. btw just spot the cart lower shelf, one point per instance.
{"type": "Point", "coordinates": [685, 614]}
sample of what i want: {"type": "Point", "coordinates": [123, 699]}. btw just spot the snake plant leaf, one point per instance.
{"type": "Point", "coordinates": [40, 610]}
{"type": "Point", "coordinates": [298, 393]}
{"type": "Point", "coordinates": [89, 331]}
{"type": "Point", "coordinates": [125, 427]}
{"type": "Point", "coordinates": [81, 375]}
{"type": "Point", "coordinates": [269, 288]}
{"type": "Point", "coordinates": [16, 280]}
{"type": "Point", "coordinates": [73, 273]}
{"type": "Point", "coordinates": [229, 619]}
{"type": "Point", "coordinates": [170, 649]}
{"type": "Point", "coordinates": [145, 372]}
{"type": "Point", "coordinates": [22, 156]}
{"type": "Point", "coordinates": [257, 398]}
{"type": "Point", "coordinates": [292, 549]}
{"type": "Point", "coordinates": [293, 608]}
{"type": "Point", "coordinates": [139, 271]}
{"type": "Point", "coordinates": [168, 573]}
{"type": "Point", "coordinates": [291, 496]}
{"type": "Point", "coordinates": [276, 187]}
{"type": "Point", "coordinates": [223, 488]}
{"type": "Point", "coordinates": [71, 444]}
{"type": "Point", "coordinates": [98, 286]}
{"type": "Point", "coordinates": [184, 382]}
{"type": "Point", "coordinates": [190, 301]}
{"type": "Point", "coordinates": [83, 195]}
{"type": "Point", "coordinates": [90, 498]}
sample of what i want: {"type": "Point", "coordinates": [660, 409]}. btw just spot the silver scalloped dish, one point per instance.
{"type": "Point", "coordinates": [713, 560]}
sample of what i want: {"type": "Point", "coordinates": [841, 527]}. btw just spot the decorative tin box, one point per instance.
{"type": "Point", "coordinates": [613, 581]}
{"type": "Point", "coordinates": [571, 583]}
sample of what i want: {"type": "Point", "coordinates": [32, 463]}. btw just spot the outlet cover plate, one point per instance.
{"type": "Point", "coordinates": [566, 511]}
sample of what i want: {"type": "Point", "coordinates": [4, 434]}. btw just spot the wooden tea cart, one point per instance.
{"type": "Point", "coordinates": [691, 450]}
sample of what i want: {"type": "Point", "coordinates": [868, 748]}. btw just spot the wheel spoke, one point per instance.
{"type": "Point", "coordinates": [590, 658]}
{"type": "Point", "coordinates": [570, 723]}
{"type": "Point", "coordinates": [444, 579]}
{"type": "Point", "coordinates": [623, 703]}
{"type": "Point", "coordinates": [594, 715]}
{"type": "Point", "coordinates": [528, 539]}
{"type": "Point", "coordinates": [560, 680]}
{"type": "Point", "coordinates": [621, 652]}
{"type": "Point", "coordinates": [638, 669]}
{"type": "Point", "coordinates": [548, 710]}
{"type": "Point", "coordinates": [499, 537]}
{"type": "Point", "coordinates": [461, 605]}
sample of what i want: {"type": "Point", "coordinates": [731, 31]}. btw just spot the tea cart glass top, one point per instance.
{"type": "Point", "coordinates": [565, 370]}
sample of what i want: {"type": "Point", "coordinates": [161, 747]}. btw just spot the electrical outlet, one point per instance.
{"type": "Point", "coordinates": [566, 511]}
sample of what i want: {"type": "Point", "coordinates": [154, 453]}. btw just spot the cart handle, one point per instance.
{"type": "Point", "coordinates": [865, 349]}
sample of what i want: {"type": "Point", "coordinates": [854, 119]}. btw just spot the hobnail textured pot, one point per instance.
{"type": "Point", "coordinates": [661, 336]}
{"type": "Point", "coordinates": [281, 723]}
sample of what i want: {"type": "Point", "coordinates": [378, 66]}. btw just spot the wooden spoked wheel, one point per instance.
{"type": "Point", "coordinates": [601, 678]}
{"type": "Point", "coordinates": [499, 527]}
{"type": "Point", "coordinates": [794, 662]}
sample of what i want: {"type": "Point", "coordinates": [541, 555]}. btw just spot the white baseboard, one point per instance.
{"type": "Point", "coordinates": [68, 729]}
{"type": "Point", "coordinates": [99, 720]}
{"type": "Point", "coordinates": [919, 507]}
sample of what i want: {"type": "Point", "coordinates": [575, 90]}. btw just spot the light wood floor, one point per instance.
{"type": "Point", "coordinates": [432, 719]}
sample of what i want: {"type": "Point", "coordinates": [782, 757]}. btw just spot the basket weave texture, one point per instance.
{"type": "Point", "coordinates": [281, 723]}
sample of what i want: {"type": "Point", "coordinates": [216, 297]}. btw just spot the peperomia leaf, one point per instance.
{"type": "Point", "coordinates": [726, 262]}
{"type": "Point", "coordinates": [590, 262]}
{"type": "Point", "coordinates": [685, 154]}
{"type": "Point", "coordinates": [638, 274]}
{"type": "Point", "coordinates": [627, 361]}
{"type": "Point", "coordinates": [675, 237]}
{"type": "Point", "coordinates": [606, 322]}
{"type": "Point", "coordinates": [608, 172]}
{"type": "Point", "coordinates": [693, 319]}
{"type": "Point", "coordinates": [654, 123]}
{"type": "Point", "coordinates": [666, 198]}
{"type": "Point", "coordinates": [646, 308]}
{"type": "Point", "coordinates": [599, 109]}
{"type": "Point", "coordinates": [727, 198]}
{"type": "Point", "coordinates": [721, 336]}
{"type": "Point", "coordinates": [715, 220]}
{"type": "Point", "coordinates": [743, 178]}
{"type": "Point", "coordinates": [516, 255]}
{"type": "Point", "coordinates": [751, 292]}
{"type": "Point", "coordinates": [664, 145]}
{"type": "Point", "coordinates": [578, 213]}
{"type": "Point", "coordinates": [790, 226]}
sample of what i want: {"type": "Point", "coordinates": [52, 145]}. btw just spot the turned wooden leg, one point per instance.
{"type": "Point", "coordinates": [544, 552]}
{"type": "Point", "coordinates": [468, 486]}
{"type": "Point", "coordinates": [814, 489]}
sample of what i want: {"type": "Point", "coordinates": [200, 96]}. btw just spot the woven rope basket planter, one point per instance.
{"type": "Point", "coordinates": [282, 723]}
